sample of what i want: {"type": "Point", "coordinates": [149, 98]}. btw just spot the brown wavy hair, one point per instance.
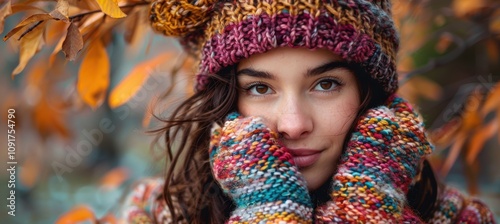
{"type": "Point", "coordinates": [190, 191]}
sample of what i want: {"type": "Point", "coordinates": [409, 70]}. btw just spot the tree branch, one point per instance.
{"type": "Point", "coordinates": [79, 16]}
{"type": "Point", "coordinates": [30, 29]}
{"type": "Point", "coordinates": [438, 62]}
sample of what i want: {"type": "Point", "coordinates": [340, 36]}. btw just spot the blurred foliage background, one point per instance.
{"type": "Point", "coordinates": [85, 76]}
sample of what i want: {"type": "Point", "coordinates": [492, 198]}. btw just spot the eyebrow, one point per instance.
{"type": "Point", "coordinates": [309, 73]}
{"type": "Point", "coordinates": [327, 67]}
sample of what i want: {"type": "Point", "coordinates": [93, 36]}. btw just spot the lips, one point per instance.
{"type": "Point", "coordinates": [305, 157]}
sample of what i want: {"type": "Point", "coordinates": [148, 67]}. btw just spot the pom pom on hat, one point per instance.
{"type": "Point", "coordinates": [181, 17]}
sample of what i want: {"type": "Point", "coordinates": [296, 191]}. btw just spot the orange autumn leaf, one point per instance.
{"type": "Point", "coordinates": [9, 101]}
{"type": "Point", "coordinates": [30, 20]}
{"type": "Point", "coordinates": [444, 42]}
{"type": "Point", "coordinates": [131, 26]}
{"type": "Point", "coordinates": [62, 6]}
{"type": "Point", "coordinates": [146, 120]}
{"type": "Point", "coordinates": [47, 119]}
{"type": "Point", "coordinates": [93, 76]}
{"type": "Point", "coordinates": [492, 50]}
{"type": "Point", "coordinates": [30, 44]}
{"type": "Point", "coordinates": [56, 50]}
{"type": "Point", "coordinates": [85, 5]}
{"type": "Point", "coordinates": [4, 12]}
{"type": "Point", "coordinates": [495, 22]}
{"type": "Point", "coordinates": [136, 28]}
{"type": "Point", "coordinates": [124, 91]}
{"type": "Point", "coordinates": [492, 100]}
{"type": "Point", "coordinates": [61, 11]}
{"type": "Point", "coordinates": [55, 31]}
{"type": "Point", "coordinates": [427, 88]}
{"type": "Point", "coordinates": [464, 8]}
{"type": "Point", "coordinates": [498, 125]}
{"type": "Point", "coordinates": [400, 9]}
{"type": "Point", "coordinates": [90, 22]}
{"type": "Point", "coordinates": [30, 172]}
{"type": "Point", "coordinates": [73, 42]}
{"type": "Point", "coordinates": [418, 87]}
{"type": "Point", "coordinates": [453, 154]}
{"type": "Point", "coordinates": [470, 116]}
{"type": "Point", "coordinates": [111, 8]}
{"type": "Point", "coordinates": [440, 20]}
{"type": "Point", "coordinates": [36, 75]}
{"type": "Point", "coordinates": [77, 214]}
{"type": "Point", "coordinates": [444, 135]}
{"type": "Point", "coordinates": [413, 25]}
{"type": "Point", "coordinates": [478, 139]}
{"type": "Point", "coordinates": [114, 178]}
{"type": "Point", "coordinates": [492, 104]}
{"type": "Point", "coordinates": [189, 66]}
{"type": "Point", "coordinates": [23, 7]}
{"type": "Point", "coordinates": [101, 29]}
{"type": "Point", "coordinates": [405, 64]}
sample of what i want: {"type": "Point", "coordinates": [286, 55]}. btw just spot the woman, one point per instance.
{"type": "Point", "coordinates": [294, 120]}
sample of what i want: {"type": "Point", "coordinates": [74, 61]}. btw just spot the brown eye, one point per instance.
{"type": "Point", "coordinates": [326, 85]}
{"type": "Point", "coordinates": [259, 89]}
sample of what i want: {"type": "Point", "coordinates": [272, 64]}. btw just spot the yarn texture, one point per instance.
{"type": "Point", "coordinates": [374, 174]}
{"type": "Point", "coordinates": [258, 173]}
{"type": "Point", "coordinates": [221, 33]}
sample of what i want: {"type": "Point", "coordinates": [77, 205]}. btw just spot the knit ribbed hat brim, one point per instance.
{"type": "Point", "coordinates": [359, 31]}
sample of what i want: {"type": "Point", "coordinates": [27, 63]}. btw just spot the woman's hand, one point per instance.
{"type": "Point", "coordinates": [258, 173]}
{"type": "Point", "coordinates": [378, 166]}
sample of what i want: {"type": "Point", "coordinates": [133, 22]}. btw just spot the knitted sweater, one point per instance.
{"type": "Point", "coordinates": [373, 178]}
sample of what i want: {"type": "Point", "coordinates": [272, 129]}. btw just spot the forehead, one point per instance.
{"type": "Point", "coordinates": [287, 57]}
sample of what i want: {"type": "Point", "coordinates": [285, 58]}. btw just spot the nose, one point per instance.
{"type": "Point", "coordinates": [294, 120]}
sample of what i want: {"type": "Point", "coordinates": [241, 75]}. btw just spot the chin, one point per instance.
{"type": "Point", "coordinates": [312, 188]}
{"type": "Point", "coordinates": [313, 183]}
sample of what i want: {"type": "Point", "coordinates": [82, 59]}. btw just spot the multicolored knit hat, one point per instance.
{"type": "Point", "coordinates": [221, 33]}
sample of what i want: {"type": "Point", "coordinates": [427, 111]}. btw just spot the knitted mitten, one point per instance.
{"type": "Point", "coordinates": [258, 173]}
{"type": "Point", "coordinates": [454, 207]}
{"type": "Point", "coordinates": [377, 168]}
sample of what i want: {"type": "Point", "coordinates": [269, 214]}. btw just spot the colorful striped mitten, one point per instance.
{"type": "Point", "coordinates": [258, 173]}
{"type": "Point", "coordinates": [377, 168]}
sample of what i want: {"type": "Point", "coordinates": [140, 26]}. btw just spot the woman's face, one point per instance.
{"type": "Point", "coordinates": [310, 97]}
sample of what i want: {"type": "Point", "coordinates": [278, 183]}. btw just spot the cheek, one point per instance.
{"type": "Point", "coordinates": [242, 109]}
{"type": "Point", "coordinates": [247, 109]}
{"type": "Point", "coordinates": [338, 119]}
{"type": "Point", "coordinates": [257, 109]}
{"type": "Point", "coordinates": [334, 131]}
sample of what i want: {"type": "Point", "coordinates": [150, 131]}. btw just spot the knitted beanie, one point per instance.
{"type": "Point", "coordinates": [221, 33]}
